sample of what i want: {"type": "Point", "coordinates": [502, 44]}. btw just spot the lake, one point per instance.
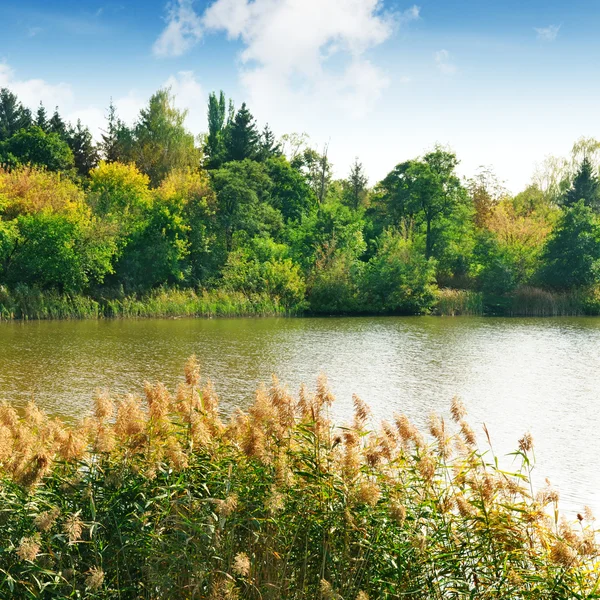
{"type": "Point", "coordinates": [515, 375]}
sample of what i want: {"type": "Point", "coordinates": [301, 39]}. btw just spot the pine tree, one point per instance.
{"type": "Point", "coordinates": [571, 257]}
{"type": "Point", "coordinates": [269, 146]}
{"type": "Point", "coordinates": [13, 116]}
{"type": "Point", "coordinates": [117, 138]}
{"type": "Point", "coordinates": [57, 125]}
{"type": "Point", "coordinates": [242, 139]}
{"type": "Point", "coordinates": [356, 185]}
{"type": "Point", "coordinates": [41, 118]}
{"type": "Point", "coordinates": [585, 187]}
{"type": "Point", "coordinates": [85, 153]}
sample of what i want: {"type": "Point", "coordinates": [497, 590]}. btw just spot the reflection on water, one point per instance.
{"type": "Point", "coordinates": [515, 375]}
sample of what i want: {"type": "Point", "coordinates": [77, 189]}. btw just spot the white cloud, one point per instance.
{"type": "Point", "coordinates": [32, 91]}
{"type": "Point", "coordinates": [547, 34]}
{"type": "Point", "coordinates": [33, 31]}
{"type": "Point", "coordinates": [411, 14]}
{"type": "Point", "coordinates": [190, 96]}
{"type": "Point", "coordinates": [183, 30]}
{"type": "Point", "coordinates": [443, 62]}
{"type": "Point", "coordinates": [310, 52]}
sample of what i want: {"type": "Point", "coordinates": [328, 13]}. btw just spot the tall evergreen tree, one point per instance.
{"type": "Point", "coordinates": [85, 153]}
{"type": "Point", "coordinates": [585, 187]}
{"type": "Point", "coordinates": [269, 147]}
{"type": "Point", "coordinates": [13, 116]}
{"type": "Point", "coordinates": [214, 147]}
{"type": "Point", "coordinates": [356, 185]}
{"type": "Point", "coordinates": [572, 253]}
{"type": "Point", "coordinates": [41, 118]}
{"type": "Point", "coordinates": [57, 125]}
{"type": "Point", "coordinates": [117, 138]}
{"type": "Point", "coordinates": [242, 139]}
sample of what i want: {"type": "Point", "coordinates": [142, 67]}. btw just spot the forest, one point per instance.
{"type": "Point", "coordinates": [153, 215]}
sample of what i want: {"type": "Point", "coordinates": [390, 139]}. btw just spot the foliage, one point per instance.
{"type": "Point", "coordinates": [119, 193]}
{"type": "Point", "coordinates": [425, 196]}
{"type": "Point", "coordinates": [161, 142]}
{"type": "Point", "coordinates": [33, 146]}
{"type": "Point", "coordinates": [237, 210]}
{"type": "Point", "coordinates": [572, 253]}
{"type": "Point", "coordinates": [57, 251]}
{"type": "Point", "coordinates": [28, 190]}
{"type": "Point", "coordinates": [13, 115]}
{"type": "Point", "coordinates": [399, 278]}
{"type": "Point", "coordinates": [334, 286]}
{"type": "Point", "coordinates": [585, 187]}
{"type": "Point", "coordinates": [263, 267]}
{"type": "Point", "coordinates": [242, 140]}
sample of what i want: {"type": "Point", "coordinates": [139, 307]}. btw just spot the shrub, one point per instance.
{"type": "Point", "coordinates": [399, 278]}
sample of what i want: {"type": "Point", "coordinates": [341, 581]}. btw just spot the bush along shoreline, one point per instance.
{"type": "Point", "coordinates": [32, 304]}
{"type": "Point", "coordinates": [161, 498]}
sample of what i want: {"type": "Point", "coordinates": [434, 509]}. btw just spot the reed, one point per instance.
{"type": "Point", "coordinates": [29, 303]}
{"type": "Point", "coordinates": [535, 302]}
{"type": "Point", "coordinates": [161, 498]}
{"type": "Point", "coordinates": [451, 302]}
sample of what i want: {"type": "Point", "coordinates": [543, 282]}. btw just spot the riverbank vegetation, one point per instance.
{"type": "Point", "coordinates": [154, 221]}
{"type": "Point", "coordinates": [161, 498]}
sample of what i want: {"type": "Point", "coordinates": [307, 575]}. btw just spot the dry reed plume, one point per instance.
{"type": "Point", "coordinates": [160, 498]}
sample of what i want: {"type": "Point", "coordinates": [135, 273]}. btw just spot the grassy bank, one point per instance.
{"type": "Point", "coordinates": [454, 303]}
{"type": "Point", "coordinates": [30, 303]}
{"type": "Point", "coordinates": [159, 498]}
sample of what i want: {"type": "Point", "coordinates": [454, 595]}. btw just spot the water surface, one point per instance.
{"type": "Point", "coordinates": [516, 375]}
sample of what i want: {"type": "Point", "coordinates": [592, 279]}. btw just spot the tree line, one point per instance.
{"type": "Point", "coordinates": [152, 205]}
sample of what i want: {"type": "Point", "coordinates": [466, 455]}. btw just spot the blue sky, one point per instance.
{"type": "Point", "coordinates": [504, 83]}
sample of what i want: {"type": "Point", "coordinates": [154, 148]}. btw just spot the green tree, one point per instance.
{"type": "Point", "coordinates": [317, 169]}
{"type": "Point", "coordinates": [60, 251]}
{"type": "Point", "coordinates": [572, 254]}
{"type": "Point", "coordinates": [57, 125]}
{"type": "Point", "coordinates": [290, 192]}
{"type": "Point", "coordinates": [331, 224]}
{"type": "Point", "coordinates": [263, 266]}
{"type": "Point", "coordinates": [399, 279]}
{"type": "Point", "coordinates": [355, 186]}
{"type": "Point", "coordinates": [120, 194]}
{"type": "Point", "coordinates": [117, 139]}
{"type": "Point", "coordinates": [214, 148]}
{"type": "Point", "coordinates": [157, 249]}
{"type": "Point", "coordinates": [335, 279]}
{"type": "Point", "coordinates": [585, 187]}
{"type": "Point", "coordinates": [35, 147]}
{"type": "Point", "coordinates": [41, 118]}
{"type": "Point", "coordinates": [242, 139]}
{"type": "Point", "coordinates": [424, 194]}
{"type": "Point", "coordinates": [190, 195]}
{"type": "Point", "coordinates": [13, 116]}
{"type": "Point", "coordinates": [243, 192]}
{"type": "Point", "coordinates": [161, 142]}
{"type": "Point", "coordinates": [85, 153]}
{"type": "Point", "coordinates": [269, 147]}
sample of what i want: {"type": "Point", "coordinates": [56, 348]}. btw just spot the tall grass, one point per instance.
{"type": "Point", "coordinates": [535, 302]}
{"type": "Point", "coordinates": [451, 302]}
{"type": "Point", "coordinates": [25, 302]}
{"type": "Point", "coordinates": [161, 498]}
